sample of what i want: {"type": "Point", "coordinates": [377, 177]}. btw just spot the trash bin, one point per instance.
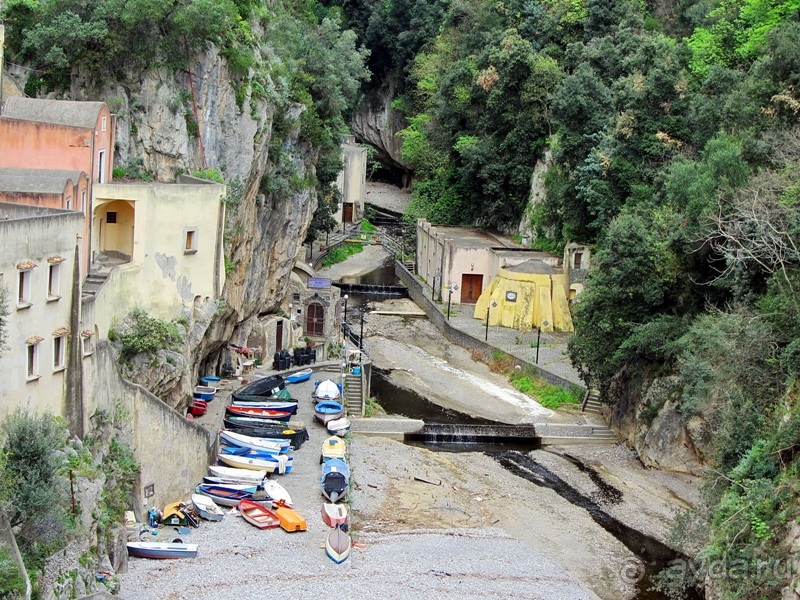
{"type": "Point", "coordinates": [276, 361]}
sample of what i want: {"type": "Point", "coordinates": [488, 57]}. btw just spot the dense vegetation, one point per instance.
{"type": "Point", "coordinates": [673, 137]}
{"type": "Point", "coordinates": [292, 55]}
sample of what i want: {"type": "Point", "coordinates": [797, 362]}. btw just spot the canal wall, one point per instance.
{"type": "Point", "coordinates": [416, 291]}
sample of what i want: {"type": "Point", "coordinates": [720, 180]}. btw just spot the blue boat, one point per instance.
{"type": "Point", "coordinates": [210, 380]}
{"type": "Point", "coordinates": [335, 480]}
{"type": "Point", "coordinates": [328, 411]}
{"type": "Point", "coordinates": [299, 376]}
{"type": "Point", "coordinates": [202, 392]}
{"type": "Point", "coordinates": [229, 495]}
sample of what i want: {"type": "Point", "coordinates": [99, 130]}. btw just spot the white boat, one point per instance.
{"type": "Point", "coordinates": [337, 545]}
{"type": "Point", "coordinates": [162, 550]}
{"type": "Point", "coordinates": [339, 426]}
{"type": "Point", "coordinates": [273, 446]}
{"type": "Point", "coordinates": [327, 390]}
{"type": "Point", "coordinates": [271, 464]}
{"type": "Point", "coordinates": [334, 514]}
{"type": "Point", "coordinates": [277, 492]}
{"type": "Point", "coordinates": [237, 475]}
{"type": "Point", "coordinates": [207, 508]}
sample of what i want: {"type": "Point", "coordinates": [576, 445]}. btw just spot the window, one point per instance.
{"type": "Point", "coordinates": [295, 297]}
{"type": "Point", "coordinates": [87, 342]}
{"type": "Point", "coordinates": [69, 202]}
{"type": "Point", "coordinates": [190, 236]}
{"type": "Point", "coordinates": [578, 259]}
{"type": "Point", "coordinates": [54, 281]}
{"type": "Point", "coordinates": [83, 199]}
{"type": "Point", "coordinates": [103, 124]}
{"type": "Point", "coordinates": [24, 278]}
{"type": "Point", "coordinates": [111, 216]}
{"type": "Point", "coordinates": [32, 357]}
{"type": "Point", "coordinates": [101, 166]}
{"type": "Point", "coordinates": [59, 350]}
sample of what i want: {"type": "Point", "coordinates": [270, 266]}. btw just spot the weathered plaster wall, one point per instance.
{"type": "Point", "coordinates": [36, 239]}
{"type": "Point", "coordinates": [173, 452]}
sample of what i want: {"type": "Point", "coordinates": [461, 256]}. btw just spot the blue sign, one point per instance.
{"type": "Point", "coordinates": [319, 283]}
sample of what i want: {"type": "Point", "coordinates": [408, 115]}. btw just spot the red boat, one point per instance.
{"type": "Point", "coordinates": [197, 408]}
{"type": "Point", "coordinates": [265, 413]}
{"type": "Point", "coordinates": [257, 515]}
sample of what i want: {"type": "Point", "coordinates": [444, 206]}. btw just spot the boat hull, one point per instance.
{"type": "Point", "coordinates": [290, 519]}
{"type": "Point", "coordinates": [258, 412]}
{"type": "Point", "coordinates": [258, 463]}
{"type": "Point", "coordinates": [274, 446]}
{"type": "Point", "coordinates": [338, 545]}
{"type": "Point", "coordinates": [296, 434]}
{"type": "Point", "coordinates": [333, 447]}
{"type": "Point", "coordinates": [237, 475]}
{"type": "Point", "coordinates": [258, 515]}
{"type": "Point", "coordinates": [162, 550]}
{"type": "Point", "coordinates": [327, 411]}
{"type": "Point", "coordinates": [338, 426]}
{"type": "Point", "coordinates": [299, 376]}
{"type": "Point", "coordinates": [207, 508]}
{"type": "Point", "coordinates": [334, 514]}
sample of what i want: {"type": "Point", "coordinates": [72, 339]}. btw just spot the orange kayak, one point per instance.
{"type": "Point", "coordinates": [289, 518]}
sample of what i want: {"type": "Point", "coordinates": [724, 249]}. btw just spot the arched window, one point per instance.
{"type": "Point", "coordinates": [315, 319]}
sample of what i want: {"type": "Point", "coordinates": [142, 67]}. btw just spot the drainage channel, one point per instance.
{"type": "Point", "coordinates": [654, 555]}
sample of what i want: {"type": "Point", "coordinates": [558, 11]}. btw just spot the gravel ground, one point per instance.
{"type": "Point", "coordinates": [388, 196]}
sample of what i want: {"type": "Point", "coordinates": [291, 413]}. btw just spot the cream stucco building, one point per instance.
{"type": "Point", "coordinates": [37, 270]}
{"type": "Point", "coordinates": [164, 242]}
{"type": "Point", "coordinates": [352, 182]}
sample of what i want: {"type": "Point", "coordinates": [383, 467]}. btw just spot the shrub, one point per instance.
{"type": "Point", "coordinates": [549, 396]}
{"type": "Point", "coordinates": [341, 254]}
{"type": "Point", "coordinates": [147, 334]}
{"type": "Point", "coordinates": [12, 583]}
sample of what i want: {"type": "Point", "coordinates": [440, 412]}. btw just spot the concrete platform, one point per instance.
{"type": "Point", "coordinates": [394, 428]}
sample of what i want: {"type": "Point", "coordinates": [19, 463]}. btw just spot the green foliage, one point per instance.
{"type": "Point", "coordinates": [12, 583]}
{"type": "Point", "coordinates": [367, 226]}
{"type": "Point", "coordinates": [341, 253]}
{"type": "Point", "coordinates": [121, 471]}
{"type": "Point", "coordinates": [133, 170]}
{"type": "Point", "coordinates": [147, 334]}
{"type": "Point", "coordinates": [210, 175]}
{"type": "Point", "coordinates": [32, 446]}
{"type": "Point", "coordinates": [549, 396]}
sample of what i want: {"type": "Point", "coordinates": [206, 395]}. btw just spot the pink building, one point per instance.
{"type": "Point", "coordinates": [45, 187]}
{"type": "Point", "coordinates": [60, 135]}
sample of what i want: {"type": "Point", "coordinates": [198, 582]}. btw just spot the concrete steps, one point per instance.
{"type": "Point", "coordinates": [353, 395]}
{"type": "Point", "coordinates": [93, 283]}
{"type": "Point", "coordinates": [592, 403]}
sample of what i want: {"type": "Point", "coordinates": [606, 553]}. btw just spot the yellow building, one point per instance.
{"type": "Point", "coordinates": [527, 296]}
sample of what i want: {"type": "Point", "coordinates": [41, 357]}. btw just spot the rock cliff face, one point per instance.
{"type": "Point", "coordinates": [264, 232]}
{"type": "Point", "coordinates": [645, 416]}
{"type": "Point", "coordinates": [376, 123]}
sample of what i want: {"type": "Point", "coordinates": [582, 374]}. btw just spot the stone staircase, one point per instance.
{"type": "Point", "coordinates": [353, 395]}
{"type": "Point", "coordinates": [591, 403]}
{"type": "Point", "coordinates": [92, 284]}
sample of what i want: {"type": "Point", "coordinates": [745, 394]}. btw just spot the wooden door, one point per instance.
{"type": "Point", "coordinates": [315, 319]}
{"type": "Point", "coordinates": [279, 335]}
{"type": "Point", "coordinates": [347, 212]}
{"type": "Point", "coordinates": [471, 288]}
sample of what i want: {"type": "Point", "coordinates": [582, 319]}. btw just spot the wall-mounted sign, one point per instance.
{"type": "Point", "coordinates": [511, 296]}
{"type": "Point", "coordinates": [319, 283]}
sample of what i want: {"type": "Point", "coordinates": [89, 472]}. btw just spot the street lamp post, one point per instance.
{"type": "Point", "coordinates": [538, 337]}
{"type": "Point", "coordinates": [361, 335]}
{"type": "Point", "coordinates": [450, 297]}
{"type": "Point", "coordinates": [493, 305]}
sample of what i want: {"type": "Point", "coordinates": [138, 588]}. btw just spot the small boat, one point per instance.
{"type": "Point", "coordinates": [277, 492]}
{"type": "Point", "coordinates": [338, 545]}
{"type": "Point", "coordinates": [256, 462]}
{"type": "Point", "coordinates": [296, 433]}
{"type": "Point", "coordinates": [173, 514]}
{"type": "Point", "coordinates": [327, 390]}
{"type": "Point", "coordinates": [338, 426]}
{"type": "Point", "coordinates": [202, 392]}
{"type": "Point", "coordinates": [289, 405]}
{"type": "Point", "coordinates": [274, 446]}
{"type": "Point", "coordinates": [265, 386]}
{"type": "Point", "coordinates": [238, 475]}
{"type": "Point", "coordinates": [335, 480]}
{"type": "Point", "coordinates": [197, 408]}
{"type": "Point", "coordinates": [257, 515]}
{"type": "Point", "coordinates": [210, 381]}
{"type": "Point", "coordinates": [290, 519]}
{"type": "Point", "coordinates": [162, 550]}
{"type": "Point", "coordinates": [266, 413]}
{"type": "Point", "coordinates": [252, 421]}
{"type": "Point", "coordinates": [334, 514]}
{"type": "Point", "coordinates": [207, 508]}
{"type": "Point", "coordinates": [299, 376]}
{"type": "Point", "coordinates": [226, 496]}
{"type": "Point", "coordinates": [333, 447]}
{"type": "Point", "coordinates": [328, 410]}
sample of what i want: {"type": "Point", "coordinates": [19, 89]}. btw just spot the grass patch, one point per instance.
{"type": "Point", "coordinates": [368, 227]}
{"type": "Point", "coordinates": [549, 396]}
{"type": "Point", "coordinates": [341, 254]}
{"type": "Point", "coordinates": [372, 408]}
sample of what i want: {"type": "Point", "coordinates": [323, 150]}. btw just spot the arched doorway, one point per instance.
{"type": "Point", "coordinates": [114, 222]}
{"type": "Point", "coordinates": [315, 319]}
